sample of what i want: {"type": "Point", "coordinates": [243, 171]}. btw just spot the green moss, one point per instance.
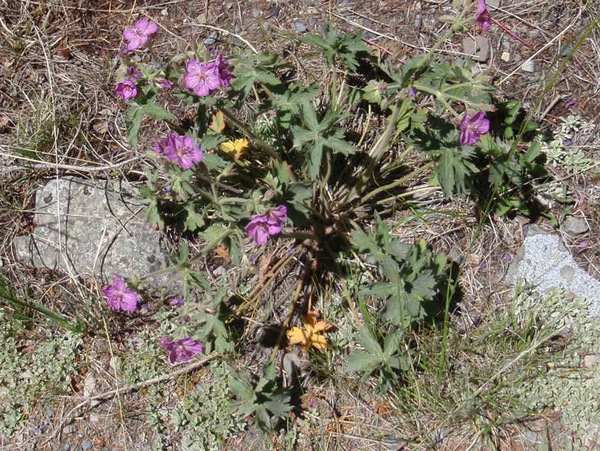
{"type": "Point", "coordinates": [31, 372]}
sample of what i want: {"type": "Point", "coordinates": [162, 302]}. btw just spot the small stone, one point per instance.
{"type": "Point", "coordinates": [70, 429]}
{"type": "Point", "coordinates": [478, 48]}
{"type": "Point", "coordinates": [505, 57]}
{"type": "Point", "coordinates": [590, 360]}
{"type": "Point", "coordinates": [67, 447]}
{"type": "Point", "coordinates": [86, 444]}
{"type": "Point", "coordinates": [493, 3]}
{"type": "Point", "coordinates": [528, 66]}
{"type": "Point", "coordinates": [564, 51]}
{"type": "Point", "coordinates": [574, 226]}
{"type": "Point", "coordinates": [567, 273]}
{"type": "Point", "coordinates": [299, 27]}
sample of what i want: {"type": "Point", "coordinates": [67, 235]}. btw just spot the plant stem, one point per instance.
{"type": "Point", "coordinates": [395, 183]}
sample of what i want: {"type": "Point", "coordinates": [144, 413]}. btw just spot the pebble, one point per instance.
{"type": "Point", "coordinates": [478, 48]}
{"type": "Point", "coordinates": [505, 57]}
{"type": "Point", "coordinates": [67, 447]}
{"type": "Point", "coordinates": [70, 429]}
{"type": "Point", "coordinates": [574, 226]}
{"type": "Point", "coordinates": [528, 66]}
{"type": "Point", "coordinates": [86, 445]}
{"type": "Point", "coordinates": [299, 27]}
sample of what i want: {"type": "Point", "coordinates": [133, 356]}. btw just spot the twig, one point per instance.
{"type": "Point", "coordinates": [68, 167]}
{"type": "Point", "coordinates": [128, 389]}
{"type": "Point", "coordinates": [227, 32]}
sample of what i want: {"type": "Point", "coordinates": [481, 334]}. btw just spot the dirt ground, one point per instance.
{"type": "Point", "coordinates": [57, 64]}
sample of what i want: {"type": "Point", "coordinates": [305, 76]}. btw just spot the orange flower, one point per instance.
{"type": "Point", "coordinates": [313, 334]}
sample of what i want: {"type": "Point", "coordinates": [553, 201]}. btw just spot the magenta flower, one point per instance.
{"type": "Point", "coordinates": [223, 70]}
{"type": "Point", "coordinates": [261, 227]}
{"type": "Point", "coordinates": [483, 17]}
{"type": "Point", "coordinates": [126, 89]}
{"type": "Point", "coordinates": [163, 83]}
{"type": "Point", "coordinates": [182, 150]}
{"type": "Point", "coordinates": [471, 128]}
{"type": "Point", "coordinates": [201, 78]}
{"type": "Point", "coordinates": [119, 297]}
{"type": "Point", "coordinates": [176, 302]}
{"type": "Point", "coordinates": [182, 350]}
{"type": "Point", "coordinates": [139, 35]}
{"type": "Point", "coordinates": [133, 73]}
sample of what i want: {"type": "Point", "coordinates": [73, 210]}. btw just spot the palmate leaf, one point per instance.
{"type": "Point", "coordinates": [133, 121]}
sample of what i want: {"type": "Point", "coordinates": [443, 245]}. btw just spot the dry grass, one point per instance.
{"type": "Point", "coordinates": [57, 108]}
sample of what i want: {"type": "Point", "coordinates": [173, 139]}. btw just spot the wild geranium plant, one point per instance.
{"type": "Point", "coordinates": [264, 158]}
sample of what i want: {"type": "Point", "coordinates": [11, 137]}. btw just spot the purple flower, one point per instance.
{"type": "Point", "coordinates": [182, 350]}
{"type": "Point", "coordinates": [471, 128]}
{"type": "Point", "coordinates": [261, 227]}
{"type": "Point", "coordinates": [223, 70]}
{"type": "Point", "coordinates": [163, 83]}
{"type": "Point", "coordinates": [278, 214]}
{"type": "Point", "coordinates": [182, 150]}
{"type": "Point", "coordinates": [483, 17]}
{"type": "Point", "coordinates": [119, 297]}
{"type": "Point", "coordinates": [176, 302]}
{"type": "Point", "coordinates": [201, 78]}
{"type": "Point", "coordinates": [139, 34]}
{"type": "Point", "coordinates": [126, 89]}
{"type": "Point", "coordinates": [160, 146]}
{"type": "Point", "coordinates": [133, 73]}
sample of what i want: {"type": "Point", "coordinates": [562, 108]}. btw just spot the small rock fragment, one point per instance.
{"type": "Point", "coordinates": [528, 66]}
{"type": "Point", "coordinates": [505, 57]}
{"type": "Point", "coordinates": [590, 360]}
{"type": "Point", "coordinates": [86, 444]}
{"type": "Point", "coordinates": [299, 27]}
{"type": "Point", "coordinates": [69, 429]}
{"type": "Point", "coordinates": [574, 226]}
{"type": "Point", "coordinates": [478, 48]}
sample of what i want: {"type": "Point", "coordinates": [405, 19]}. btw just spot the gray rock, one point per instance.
{"type": "Point", "coordinates": [493, 4]}
{"type": "Point", "coordinates": [574, 226]}
{"type": "Point", "coordinates": [86, 444]}
{"type": "Point", "coordinates": [299, 27]}
{"type": "Point", "coordinates": [546, 264]}
{"type": "Point", "coordinates": [478, 48]}
{"type": "Point", "coordinates": [93, 228]}
{"type": "Point", "coordinates": [69, 429]}
{"type": "Point", "coordinates": [528, 66]}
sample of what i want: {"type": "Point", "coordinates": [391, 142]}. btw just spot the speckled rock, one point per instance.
{"type": "Point", "coordinates": [546, 264]}
{"type": "Point", "coordinates": [94, 228]}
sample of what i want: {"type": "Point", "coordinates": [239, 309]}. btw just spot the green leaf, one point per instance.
{"type": "Point", "coordinates": [362, 361]}
{"type": "Point", "coordinates": [211, 141]}
{"type": "Point", "coordinates": [214, 235]}
{"type": "Point", "coordinates": [315, 157]}
{"type": "Point", "coordinates": [133, 121]}
{"type": "Point", "coordinates": [157, 112]}
{"type": "Point", "coordinates": [369, 342]}
{"type": "Point", "coordinates": [340, 145]}
{"type": "Point", "coordinates": [193, 219]}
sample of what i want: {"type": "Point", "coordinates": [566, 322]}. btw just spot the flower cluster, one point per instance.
{"type": "Point", "coordinates": [261, 227]}
{"type": "Point", "coordinates": [203, 78]}
{"type": "Point", "coordinates": [119, 297]}
{"type": "Point", "coordinates": [182, 350]}
{"type": "Point", "coordinates": [472, 127]}
{"type": "Point", "coordinates": [182, 150]}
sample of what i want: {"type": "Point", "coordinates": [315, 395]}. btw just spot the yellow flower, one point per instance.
{"type": "Point", "coordinates": [235, 149]}
{"type": "Point", "coordinates": [312, 336]}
